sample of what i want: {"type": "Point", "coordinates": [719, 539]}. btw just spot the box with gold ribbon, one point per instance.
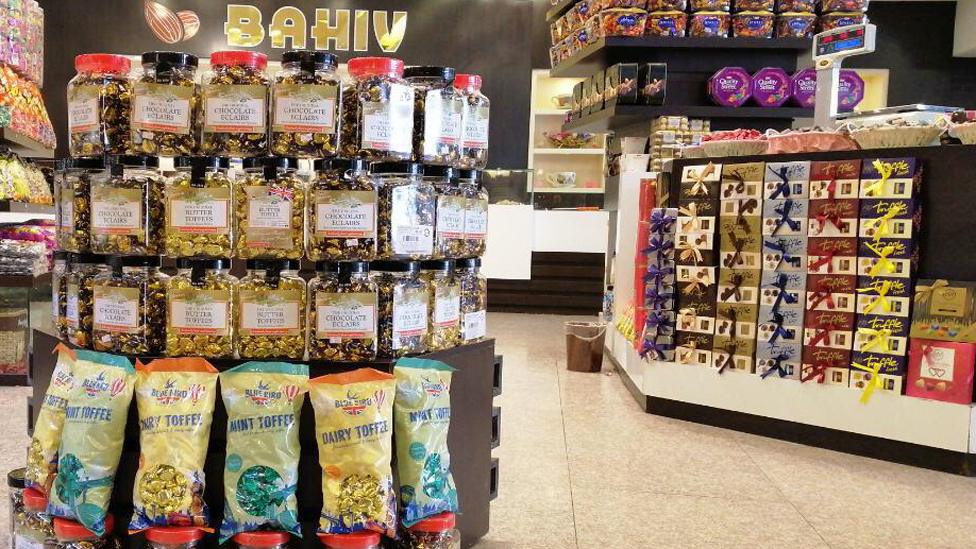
{"type": "Point", "coordinates": [826, 366]}
{"type": "Point", "coordinates": [834, 218]}
{"type": "Point", "coordinates": [785, 217]}
{"type": "Point", "coordinates": [697, 216]}
{"type": "Point", "coordinates": [890, 178]}
{"type": "Point", "coordinates": [779, 360]}
{"type": "Point", "coordinates": [696, 248]}
{"type": "Point", "coordinates": [730, 354]}
{"type": "Point", "coordinates": [700, 182]}
{"type": "Point", "coordinates": [785, 254]}
{"type": "Point", "coordinates": [742, 181]}
{"type": "Point", "coordinates": [884, 296]}
{"type": "Point", "coordinates": [835, 179]}
{"type": "Point", "coordinates": [784, 180]}
{"type": "Point", "coordinates": [945, 311]}
{"type": "Point", "coordinates": [693, 349]}
{"type": "Point", "coordinates": [832, 255]}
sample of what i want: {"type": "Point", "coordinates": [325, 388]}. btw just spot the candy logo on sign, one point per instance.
{"type": "Point", "coordinates": [63, 379]}
{"type": "Point", "coordinates": [353, 404]}
{"type": "Point", "coordinates": [169, 393]}
{"type": "Point", "coordinates": [433, 389]}
{"type": "Point", "coordinates": [97, 385]}
{"type": "Point", "coordinates": [262, 395]}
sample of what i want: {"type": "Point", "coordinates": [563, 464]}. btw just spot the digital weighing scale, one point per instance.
{"type": "Point", "coordinates": [830, 48]}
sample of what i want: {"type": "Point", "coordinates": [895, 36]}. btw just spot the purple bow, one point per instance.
{"type": "Point", "coordinates": [655, 349]}
{"type": "Point", "coordinates": [781, 281]}
{"type": "Point", "coordinates": [780, 247]}
{"type": "Point", "coordinates": [776, 367]}
{"type": "Point", "coordinates": [783, 187]}
{"type": "Point", "coordinates": [657, 320]}
{"type": "Point", "coordinates": [655, 299]}
{"type": "Point", "coordinates": [780, 331]}
{"type": "Point", "coordinates": [661, 223]}
{"type": "Point", "coordinates": [657, 274]}
{"type": "Point", "coordinates": [662, 246]}
{"type": "Point", "coordinates": [785, 219]}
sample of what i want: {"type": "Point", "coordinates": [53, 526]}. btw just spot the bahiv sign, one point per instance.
{"type": "Point", "coordinates": [338, 29]}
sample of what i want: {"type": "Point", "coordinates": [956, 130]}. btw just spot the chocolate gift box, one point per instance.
{"type": "Point", "coordinates": [658, 347]}
{"type": "Point", "coordinates": [884, 296]}
{"type": "Point", "coordinates": [659, 274]}
{"type": "Point", "coordinates": [742, 181]}
{"type": "Point", "coordinates": [785, 253]}
{"type": "Point", "coordinates": [700, 182]}
{"type": "Point", "coordinates": [827, 366]}
{"type": "Point", "coordinates": [785, 217]}
{"type": "Point", "coordinates": [835, 179]}
{"type": "Point", "coordinates": [660, 249]}
{"type": "Point", "coordinates": [833, 218]}
{"type": "Point", "coordinates": [787, 180]}
{"type": "Point", "coordinates": [890, 178]}
{"type": "Point", "coordinates": [741, 252]}
{"type": "Point", "coordinates": [779, 361]}
{"type": "Point", "coordinates": [661, 323]}
{"type": "Point", "coordinates": [893, 383]}
{"type": "Point", "coordinates": [888, 218]}
{"type": "Point", "coordinates": [782, 290]}
{"type": "Point", "coordinates": [779, 327]}
{"type": "Point", "coordinates": [695, 249]}
{"type": "Point", "coordinates": [828, 329]}
{"type": "Point", "coordinates": [895, 258]}
{"type": "Point", "coordinates": [738, 286]}
{"type": "Point", "coordinates": [697, 217]}
{"type": "Point", "coordinates": [742, 216]}
{"type": "Point", "coordinates": [733, 355]}
{"type": "Point", "coordinates": [693, 349]}
{"type": "Point", "coordinates": [706, 276]}
{"type": "Point", "coordinates": [944, 310]}
{"type": "Point", "coordinates": [739, 321]}
{"type": "Point", "coordinates": [660, 298]}
{"type": "Point", "coordinates": [696, 318]}
{"type": "Point", "coordinates": [941, 370]}
{"type": "Point", "coordinates": [834, 293]}
{"type": "Point", "coordinates": [880, 342]}
{"type": "Point", "coordinates": [836, 256]}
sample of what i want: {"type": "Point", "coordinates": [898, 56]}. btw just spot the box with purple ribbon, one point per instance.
{"type": "Point", "coordinates": [657, 275]}
{"type": "Point", "coordinates": [660, 298]}
{"type": "Point", "coordinates": [835, 179]}
{"type": "Point", "coordinates": [787, 180]}
{"type": "Point", "coordinates": [883, 218]}
{"type": "Point", "coordinates": [780, 326]}
{"type": "Point", "coordinates": [693, 349]}
{"type": "Point", "coordinates": [837, 256]}
{"type": "Point", "coordinates": [834, 218]}
{"type": "Point", "coordinates": [660, 323]}
{"type": "Point", "coordinates": [888, 297]}
{"type": "Point", "coordinates": [663, 221]}
{"type": "Point", "coordinates": [779, 361]}
{"type": "Point", "coordinates": [657, 347]}
{"type": "Point", "coordinates": [890, 178]}
{"type": "Point", "coordinates": [826, 366]}
{"type": "Point", "coordinates": [700, 182]}
{"type": "Point", "coordinates": [831, 293]}
{"type": "Point", "coordinates": [785, 217]}
{"type": "Point", "coordinates": [660, 250]}
{"type": "Point", "coordinates": [733, 355]}
{"type": "Point", "coordinates": [782, 290]}
{"type": "Point", "coordinates": [784, 254]}
{"type": "Point", "coordinates": [742, 181]}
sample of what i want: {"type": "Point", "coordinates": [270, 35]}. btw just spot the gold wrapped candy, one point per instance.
{"type": "Point", "coordinates": [73, 200]}
{"type": "Point", "coordinates": [201, 310]}
{"type": "Point", "coordinates": [99, 105]}
{"type": "Point", "coordinates": [199, 213]}
{"type": "Point", "coordinates": [78, 307]}
{"type": "Point", "coordinates": [129, 306]}
{"type": "Point", "coordinates": [305, 109]}
{"type": "Point", "coordinates": [445, 306]}
{"type": "Point", "coordinates": [271, 322]}
{"type": "Point", "coordinates": [270, 211]}
{"type": "Point", "coordinates": [235, 105]}
{"type": "Point", "coordinates": [342, 316]}
{"type": "Point", "coordinates": [128, 216]}
{"type": "Point", "coordinates": [165, 105]}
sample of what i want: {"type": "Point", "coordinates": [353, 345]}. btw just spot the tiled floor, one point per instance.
{"type": "Point", "coordinates": [583, 467]}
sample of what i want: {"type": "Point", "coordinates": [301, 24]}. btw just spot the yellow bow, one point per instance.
{"type": "Point", "coordinates": [924, 293]}
{"type": "Point", "coordinates": [876, 338]}
{"type": "Point", "coordinates": [700, 188]}
{"type": "Point", "coordinates": [873, 383]}
{"type": "Point", "coordinates": [886, 171]}
{"type": "Point", "coordinates": [692, 212]}
{"type": "Point", "coordinates": [881, 298]}
{"type": "Point", "coordinates": [882, 224]}
{"type": "Point", "coordinates": [883, 264]}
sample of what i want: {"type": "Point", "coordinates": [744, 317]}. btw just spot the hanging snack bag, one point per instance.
{"type": "Point", "coordinates": [42, 455]}
{"type": "Point", "coordinates": [264, 403]}
{"type": "Point", "coordinates": [423, 418]}
{"type": "Point", "coordinates": [354, 429]}
{"type": "Point", "coordinates": [175, 398]}
{"type": "Point", "coordinates": [91, 443]}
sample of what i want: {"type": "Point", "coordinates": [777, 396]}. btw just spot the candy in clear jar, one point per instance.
{"type": "Point", "coordinates": [201, 309]}
{"type": "Point", "coordinates": [753, 24]}
{"type": "Point", "coordinates": [79, 297]}
{"type": "Point", "coordinates": [795, 25]}
{"type": "Point", "coordinates": [404, 308]}
{"type": "Point", "coordinates": [16, 484]}
{"type": "Point", "coordinates": [437, 115]}
{"type": "Point", "coordinates": [475, 119]}
{"type": "Point", "coordinates": [622, 22]}
{"type": "Point", "coordinates": [342, 201]}
{"type": "Point", "coordinates": [73, 200]}
{"type": "Point", "coordinates": [235, 105]}
{"type": "Point", "coordinates": [127, 208]}
{"type": "Point", "coordinates": [343, 309]}
{"type": "Point", "coordinates": [474, 299]}
{"type": "Point", "coordinates": [262, 539]}
{"type": "Point", "coordinates": [710, 5]}
{"type": "Point", "coordinates": [349, 120]}
{"type": "Point", "coordinates": [129, 304]}
{"type": "Point", "coordinates": [305, 105]}
{"type": "Point", "coordinates": [59, 294]}
{"type": "Point", "coordinates": [271, 305]}
{"type": "Point", "coordinates": [386, 105]}
{"type": "Point", "coordinates": [356, 540]}
{"type": "Point", "coordinates": [706, 24]}
{"type": "Point", "coordinates": [269, 204]}
{"type": "Point", "coordinates": [437, 532]}
{"type": "Point", "coordinates": [475, 213]}
{"type": "Point", "coordinates": [99, 105]}
{"type": "Point", "coordinates": [174, 537]}
{"type": "Point", "coordinates": [449, 225]}
{"type": "Point", "coordinates": [33, 526]}
{"type": "Point", "coordinates": [445, 304]}
{"type": "Point", "coordinates": [74, 535]}
{"type": "Point", "coordinates": [199, 216]}
{"type": "Point", "coordinates": [165, 105]}
{"type": "Point", "coordinates": [407, 211]}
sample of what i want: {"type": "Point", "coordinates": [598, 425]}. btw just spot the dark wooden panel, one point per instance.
{"type": "Point", "coordinates": [562, 283]}
{"type": "Point", "coordinates": [568, 271]}
{"type": "Point", "coordinates": [566, 258]}
{"type": "Point", "coordinates": [545, 285]}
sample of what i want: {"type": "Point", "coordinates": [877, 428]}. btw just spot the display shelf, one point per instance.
{"type": "Point", "coordinates": [552, 112]}
{"type": "Point", "coordinates": [569, 152]}
{"type": "Point", "coordinates": [24, 281]}
{"type": "Point", "coordinates": [23, 145]}
{"type": "Point", "coordinates": [571, 190]}
{"type": "Point", "coordinates": [559, 8]}
{"type": "Point", "coordinates": [11, 206]}
{"type": "Point", "coordinates": [636, 119]}
{"type": "Point", "coordinates": [606, 51]}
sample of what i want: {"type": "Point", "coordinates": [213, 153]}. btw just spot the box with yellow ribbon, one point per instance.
{"type": "Point", "coordinates": [897, 218]}
{"type": "Point", "coordinates": [890, 178]}
{"type": "Point", "coordinates": [889, 297]}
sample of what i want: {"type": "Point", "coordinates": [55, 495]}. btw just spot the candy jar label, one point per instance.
{"type": "Point", "coordinates": [450, 217]}
{"type": "Point", "coordinates": [199, 312]}
{"type": "Point", "coordinates": [234, 108]}
{"type": "Point", "coordinates": [475, 325]}
{"type": "Point", "coordinates": [409, 314]}
{"type": "Point", "coordinates": [116, 309]}
{"type": "Point", "coordinates": [198, 211]}
{"type": "Point", "coordinates": [442, 122]}
{"type": "Point", "coordinates": [161, 107]}
{"type": "Point", "coordinates": [388, 126]}
{"type": "Point", "coordinates": [269, 219]}
{"type": "Point", "coordinates": [346, 316]}
{"type": "Point", "coordinates": [476, 219]}
{"type": "Point", "coordinates": [345, 214]}
{"type": "Point", "coordinates": [476, 127]}
{"type": "Point", "coordinates": [447, 306]}
{"type": "Point", "coordinates": [408, 237]}
{"type": "Point", "coordinates": [304, 108]}
{"type": "Point", "coordinates": [71, 310]}
{"type": "Point", "coordinates": [265, 313]}
{"type": "Point", "coordinates": [116, 211]}
{"type": "Point", "coordinates": [83, 111]}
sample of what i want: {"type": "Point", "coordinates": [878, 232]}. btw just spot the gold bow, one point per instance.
{"type": "Point", "coordinates": [692, 252]}
{"type": "Point", "coordinates": [881, 298]}
{"type": "Point", "coordinates": [700, 188]}
{"type": "Point", "coordinates": [696, 284]}
{"type": "Point", "coordinates": [886, 171]}
{"type": "Point", "coordinates": [688, 356]}
{"type": "Point", "coordinates": [924, 293]}
{"type": "Point", "coordinates": [873, 383]}
{"type": "Point", "coordinates": [876, 338]}
{"type": "Point", "coordinates": [686, 314]}
{"type": "Point", "coordinates": [692, 212]}
{"type": "Point", "coordinates": [883, 264]}
{"type": "Point", "coordinates": [882, 224]}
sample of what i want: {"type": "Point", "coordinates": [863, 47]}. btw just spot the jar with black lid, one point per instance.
{"type": "Point", "coordinates": [404, 308]}
{"type": "Point", "coordinates": [269, 209]}
{"type": "Point", "coordinates": [445, 304]}
{"type": "Point", "coordinates": [130, 307]}
{"type": "Point", "coordinates": [166, 105]}
{"type": "Point", "coordinates": [127, 208]}
{"type": "Point", "coordinates": [474, 299]}
{"type": "Point", "coordinates": [200, 309]}
{"type": "Point", "coordinates": [477, 107]}
{"type": "Point", "coordinates": [271, 310]}
{"type": "Point", "coordinates": [407, 211]}
{"type": "Point", "coordinates": [305, 105]}
{"type": "Point", "coordinates": [199, 220]}
{"type": "Point", "coordinates": [79, 297]}
{"type": "Point", "coordinates": [72, 196]}
{"type": "Point", "coordinates": [475, 213]}
{"type": "Point", "coordinates": [342, 319]}
{"type": "Point", "coordinates": [437, 115]}
{"type": "Point", "coordinates": [342, 211]}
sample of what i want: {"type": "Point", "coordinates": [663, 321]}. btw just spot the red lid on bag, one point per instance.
{"type": "Point", "coordinates": [34, 500]}
{"type": "Point", "coordinates": [102, 62]}
{"type": "Point", "coordinates": [437, 523]}
{"type": "Point", "coordinates": [362, 66]}
{"type": "Point", "coordinates": [262, 539]}
{"type": "Point", "coordinates": [69, 529]}
{"type": "Point", "coordinates": [174, 535]}
{"type": "Point", "coordinates": [254, 59]}
{"type": "Point", "coordinates": [463, 81]}
{"type": "Point", "coordinates": [356, 540]}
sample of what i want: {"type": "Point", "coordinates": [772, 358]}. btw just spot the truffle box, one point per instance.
{"type": "Point", "coordinates": [742, 181]}
{"type": "Point", "coordinates": [743, 215]}
{"type": "Point", "coordinates": [660, 323]}
{"type": "Point", "coordinates": [785, 217]}
{"type": "Point", "coordinates": [834, 293]}
{"type": "Point", "coordinates": [941, 370]}
{"type": "Point", "coordinates": [659, 274]}
{"type": "Point", "coordinates": [779, 360]}
{"type": "Point", "coordinates": [888, 218]}
{"type": "Point", "coordinates": [945, 311]}
{"type": "Point", "coordinates": [889, 297]}
{"type": "Point", "coordinates": [826, 366]}
{"type": "Point", "coordinates": [787, 180]}
{"type": "Point", "coordinates": [890, 178]}
{"type": "Point", "coordinates": [868, 367]}
{"type": "Point", "coordinates": [740, 243]}
{"type": "Point", "coordinates": [696, 315]}
{"type": "Point", "coordinates": [828, 329]}
{"type": "Point", "coordinates": [700, 182]}
{"type": "Point", "coordinates": [885, 335]}
{"type": "Point", "coordinates": [834, 218]}
{"type": "Point", "coordinates": [736, 321]}
{"type": "Point", "coordinates": [621, 85]}
{"type": "Point", "coordinates": [659, 297]}
{"type": "Point", "coordinates": [782, 326]}
{"type": "Point", "coordinates": [733, 355]}
{"type": "Point", "coordinates": [785, 254]}
{"type": "Point", "coordinates": [782, 290]}
{"type": "Point", "coordinates": [739, 286]}
{"type": "Point", "coordinates": [887, 257]}
{"type": "Point", "coordinates": [657, 347]}
{"type": "Point", "coordinates": [835, 179]}
{"type": "Point", "coordinates": [695, 248]}
{"type": "Point", "coordinates": [693, 349]}
{"type": "Point", "coordinates": [697, 216]}
{"type": "Point", "coordinates": [837, 256]}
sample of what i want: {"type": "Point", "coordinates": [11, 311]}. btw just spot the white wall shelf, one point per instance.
{"type": "Point", "coordinates": [569, 152]}
{"type": "Point", "coordinates": [570, 190]}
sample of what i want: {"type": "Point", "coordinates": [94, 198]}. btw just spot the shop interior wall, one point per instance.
{"type": "Point", "coordinates": [494, 38]}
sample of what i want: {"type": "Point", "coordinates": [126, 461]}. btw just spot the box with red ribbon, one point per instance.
{"type": "Point", "coordinates": [831, 293]}
{"type": "Point", "coordinates": [835, 256]}
{"type": "Point", "coordinates": [787, 180]}
{"type": "Point", "coordinates": [835, 179]}
{"type": "Point", "coordinates": [827, 366]}
{"type": "Point", "coordinates": [835, 218]}
{"type": "Point", "coordinates": [941, 370]}
{"type": "Point", "coordinates": [829, 329]}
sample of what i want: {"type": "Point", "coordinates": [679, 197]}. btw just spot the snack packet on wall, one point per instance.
{"type": "Point", "coordinates": [42, 454]}
{"type": "Point", "coordinates": [264, 402]}
{"type": "Point", "coordinates": [175, 398]}
{"type": "Point", "coordinates": [354, 429]}
{"type": "Point", "coordinates": [91, 443]}
{"type": "Point", "coordinates": [423, 419]}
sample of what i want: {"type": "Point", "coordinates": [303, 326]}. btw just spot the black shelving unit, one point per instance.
{"type": "Point", "coordinates": [559, 8]}
{"type": "Point", "coordinates": [635, 119]}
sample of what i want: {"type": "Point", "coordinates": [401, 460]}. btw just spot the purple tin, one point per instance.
{"type": "Point", "coordinates": [730, 87]}
{"type": "Point", "coordinates": [771, 87]}
{"type": "Point", "coordinates": [851, 91]}
{"type": "Point", "coordinates": [804, 88]}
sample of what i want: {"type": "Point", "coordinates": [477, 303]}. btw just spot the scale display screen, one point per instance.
{"type": "Point", "coordinates": [840, 42]}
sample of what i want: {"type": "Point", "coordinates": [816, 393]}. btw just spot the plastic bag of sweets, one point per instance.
{"type": "Point", "coordinates": [175, 398]}
{"type": "Point", "coordinates": [263, 402]}
{"type": "Point", "coordinates": [354, 429]}
{"type": "Point", "coordinates": [423, 417]}
{"type": "Point", "coordinates": [91, 443]}
{"type": "Point", "coordinates": [42, 455]}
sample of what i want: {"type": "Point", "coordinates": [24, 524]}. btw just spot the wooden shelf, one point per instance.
{"type": "Point", "coordinates": [24, 281]}
{"type": "Point", "coordinates": [568, 152]}
{"type": "Point", "coordinates": [23, 207]}
{"type": "Point", "coordinates": [570, 190]}
{"type": "Point", "coordinates": [636, 119]}
{"type": "Point", "coordinates": [23, 145]}
{"type": "Point", "coordinates": [606, 51]}
{"type": "Point", "coordinates": [558, 9]}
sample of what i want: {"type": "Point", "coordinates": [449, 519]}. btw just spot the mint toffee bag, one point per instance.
{"type": "Point", "coordinates": [42, 455]}
{"type": "Point", "coordinates": [264, 404]}
{"type": "Point", "coordinates": [422, 412]}
{"type": "Point", "coordinates": [91, 444]}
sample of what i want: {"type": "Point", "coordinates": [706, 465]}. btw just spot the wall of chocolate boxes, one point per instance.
{"type": "Point", "coordinates": [805, 271]}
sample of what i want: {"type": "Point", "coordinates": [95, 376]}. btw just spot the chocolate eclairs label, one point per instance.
{"type": "Point", "coordinates": [84, 114]}
{"type": "Point", "coordinates": [161, 107]}
{"type": "Point", "coordinates": [304, 108]}
{"type": "Point", "coordinates": [231, 108]}
{"type": "Point", "coordinates": [409, 314]}
{"type": "Point", "coordinates": [345, 214]}
{"type": "Point", "coordinates": [117, 310]}
{"type": "Point", "coordinates": [342, 316]}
